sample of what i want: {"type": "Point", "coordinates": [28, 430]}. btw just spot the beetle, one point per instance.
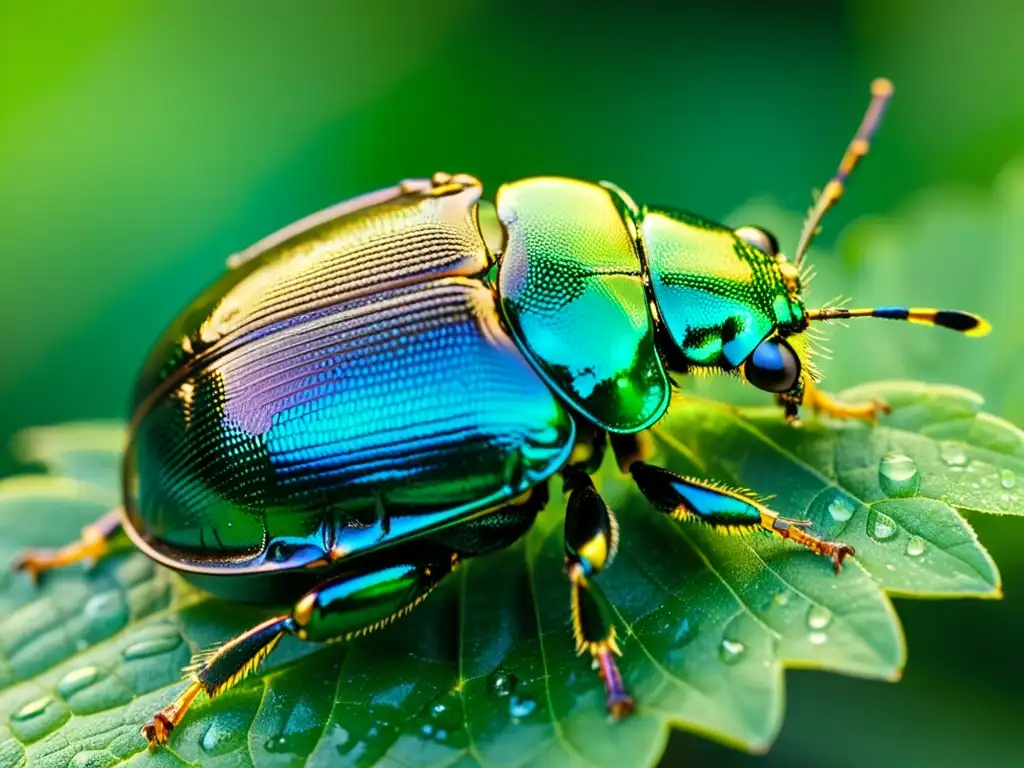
{"type": "Point", "coordinates": [384, 389]}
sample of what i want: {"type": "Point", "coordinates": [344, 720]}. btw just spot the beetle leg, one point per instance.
{"type": "Point", "coordinates": [820, 401]}
{"type": "Point", "coordinates": [727, 511]}
{"type": "Point", "coordinates": [92, 544]}
{"type": "Point", "coordinates": [591, 538]}
{"type": "Point", "coordinates": [341, 608]}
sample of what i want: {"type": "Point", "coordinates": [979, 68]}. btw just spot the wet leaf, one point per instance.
{"type": "Point", "coordinates": [484, 673]}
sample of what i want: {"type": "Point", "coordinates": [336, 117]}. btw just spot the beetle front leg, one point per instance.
{"type": "Point", "coordinates": [341, 608]}
{"type": "Point", "coordinates": [820, 401]}
{"type": "Point", "coordinates": [727, 511]}
{"type": "Point", "coordinates": [591, 538]}
{"type": "Point", "coordinates": [92, 544]}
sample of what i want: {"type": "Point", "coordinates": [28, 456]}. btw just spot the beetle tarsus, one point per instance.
{"type": "Point", "coordinates": [794, 531]}
{"type": "Point", "coordinates": [92, 544]}
{"type": "Point", "coordinates": [158, 729]}
{"type": "Point", "coordinates": [822, 402]}
{"type": "Point", "coordinates": [619, 702]}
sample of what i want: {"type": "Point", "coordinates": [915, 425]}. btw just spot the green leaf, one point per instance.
{"type": "Point", "coordinates": [485, 674]}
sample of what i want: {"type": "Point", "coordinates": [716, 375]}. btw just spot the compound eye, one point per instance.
{"type": "Point", "coordinates": [760, 239]}
{"type": "Point", "coordinates": [773, 366]}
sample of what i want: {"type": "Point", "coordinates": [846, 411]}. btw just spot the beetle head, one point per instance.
{"type": "Point", "coordinates": [779, 364]}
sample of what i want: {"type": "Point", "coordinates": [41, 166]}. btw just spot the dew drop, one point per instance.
{"type": "Point", "coordinates": [77, 680]}
{"type": "Point", "coordinates": [502, 683]}
{"type": "Point", "coordinates": [1007, 479]}
{"type": "Point", "coordinates": [276, 745]}
{"type": "Point", "coordinates": [841, 508]}
{"type": "Point", "coordinates": [103, 603]}
{"type": "Point", "coordinates": [898, 475]}
{"type": "Point", "coordinates": [440, 734]}
{"type": "Point", "coordinates": [881, 527]}
{"type": "Point", "coordinates": [210, 739]}
{"type": "Point", "coordinates": [520, 707]}
{"type": "Point", "coordinates": [817, 638]}
{"type": "Point", "coordinates": [731, 651]}
{"type": "Point", "coordinates": [426, 730]}
{"type": "Point", "coordinates": [953, 454]}
{"type": "Point", "coordinates": [153, 647]}
{"type": "Point", "coordinates": [33, 708]}
{"type": "Point", "coordinates": [438, 709]}
{"type": "Point", "coordinates": [818, 617]}
{"type": "Point", "coordinates": [915, 546]}
{"type": "Point", "coordinates": [782, 598]}
{"type": "Point", "coordinates": [684, 633]}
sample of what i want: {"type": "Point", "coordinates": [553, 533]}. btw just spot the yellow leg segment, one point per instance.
{"type": "Point", "coordinates": [793, 530]}
{"type": "Point", "coordinates": [92, 544]}
{"type": "Point", "coordinates": [822, 402]}
{"type": "Point", "coordinates": [159, 728]}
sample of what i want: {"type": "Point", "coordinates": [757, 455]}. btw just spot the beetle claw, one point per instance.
{"type": "Point", "coordinates": [28, 562]}
{"type": "Point", "coordinates": [157, 730]}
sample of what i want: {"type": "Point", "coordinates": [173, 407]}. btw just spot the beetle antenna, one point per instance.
{"type": "Point", "coordinates": [881, 93]}
{"type": "Point", "coordinates": [965, 322]}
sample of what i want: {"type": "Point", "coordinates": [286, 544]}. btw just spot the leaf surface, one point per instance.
{"type": "Point", "coordinates": [484, 673]}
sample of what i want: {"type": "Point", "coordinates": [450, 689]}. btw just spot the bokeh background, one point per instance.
{"type": "Point", "coordinates": [141, 143]}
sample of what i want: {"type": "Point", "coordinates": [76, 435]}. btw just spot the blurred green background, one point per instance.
{"type": "Point", "coordinates": [140, 143]}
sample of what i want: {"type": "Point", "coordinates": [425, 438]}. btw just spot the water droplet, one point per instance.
{"type": "Point", "coordinates": [438, 709]}
{"type": "Point", "coordinates": [103, 603]}
{"type": "Point", "coordinates": [898, 475]}
{"type": "Point", "coordinates": [152, 647]}
{"type": "Point", "coordinates": [426, 730]}
{"type": "Point", "coordinates": [276, 745]}
{"type": "Point", "coordinates": [77, 680]}
{"type": "Point", "coordinates": [881, 527]}
{"type": "Point", "coordinates": [684, 633]}
{"type": "Point", "coordinates": [817, 638]}
{"type": "Point", "coordinates": [915, 546]}
{"type": "Point", "coordinates": [953, 454]}
{"type": "Point", "coordinates": [33, 708]}
{"type": "Point", "coordinates": [104, 613]}
{"type": "Point", "coordinates": [502, 683]}
{"type": "Point", "coordinates": [1007, 479]}
{"type": "Point", "coordinates": [841, 508]}
{"type": "Point", "coordinates": [818, 617]}
{"type": "Point", "coordinates": [731, 651]}
{"type": "Point", "coordinates": [520, 707]}
{"type": "Point", "coordinates": [217, 739]}
{"type": "Point", "coordinates": [782, 598]}
{"type": "Point", "coordinates": [440, 734]}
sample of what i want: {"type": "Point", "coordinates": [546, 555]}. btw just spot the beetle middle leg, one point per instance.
{"type": "Point", "coordinates": [92, 544]}
{"type": "Point", "coordinates": [591, 539]}
{"type": "Point", "coordinates": [726, 511]}
{"type": "Point", "coordinates": [341, 608]}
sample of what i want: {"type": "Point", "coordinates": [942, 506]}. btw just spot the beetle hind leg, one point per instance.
{"type": "Point", "coordinates": [341, 608]}
{"type": "Point", "coordinates": [591, 540]}
{"type": "Point", "coordinates": [92, 544]}
{"type": "Point", "coordinates": [727, 511]}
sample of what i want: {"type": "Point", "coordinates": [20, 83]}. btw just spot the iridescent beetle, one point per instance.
{"type": "Point", "coordinates": [385, 388]}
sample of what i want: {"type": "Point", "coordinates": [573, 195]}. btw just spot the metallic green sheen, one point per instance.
{"type": "Point", "coordinates": [345, 387]}
{"type": "Point", "coordinates": [571, 287]}
{"type": "Point", "coordinates": [717, 296]}
{"type": "Point", "coordinates": [348, 606]}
